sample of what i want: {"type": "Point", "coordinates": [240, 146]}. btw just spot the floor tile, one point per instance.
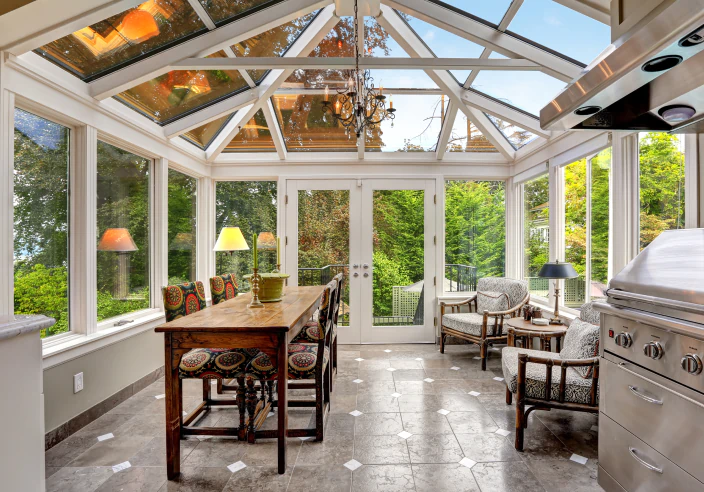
{"type": "Point", "coordinates": [376, 387]}
{"type": "Point", "coordinates": [192, 479]}
{"type": "Point", "coordinates": [265, 452]}
{"type": "Point", "coordinates": [487, 447]}
{"type": "Point", "coordinates": [389, 478]}
{"type": "Point", "coordinates": [376, 375]}
{"type": "Point", "coordinates": [444, 478]}
{"type": "Point", "coordinates": [460, 403]}
{"type": "Point", "coordinates": [216, 453]}
{"type": "Point", "coordinates": [442, 448]}
{"type": "Point", "coordinates": [426, 423]}
{"type": "Point", "coordinates": [78, 479]}
{"type": "Point", "coordinates": [342, 403]}
{"type": "Point", "coordinates": [111, 452]}
{"type": "Point", "coordinates": [551, 475]}
{"type": "Point", "coordinates": [68, 450]}
{"type": "Point", "coordinates": [381, 450]}
{"type": "Point", "coordinates": [259, 478]}
{"type": "Point", "coordinates": [329, 479]}
{"type": "Point", "coordinates": [133, 406]}
{"type": "Point", "coordinates": [154, 452]}
{"type": "Point", "coordinates": [335, 450]}
{"type": "Point", "coordinates": [340, 425]}
{"type": "Point", "coordinates": [541, 444]}
{"type": "Point", "coordinates": [509, 476]}
{"type": "Point", "coordinates": [142, 425]}
{"type": "Point", "coordinates": [103, 425]}
{"type": "Point", "coordinates": [143, 479]}
{"type": "Point", "coordinates": [378, 424]}
{"type": "Point", "coordinates": [414, 388]}
{"type": "Point", "coordinates": [409, 375]}
{"type": "Point", "coordinates": [374, 403]}
{"type": "Point", "coordinates": [471, 422]}
{"type": "Point", "coordinates": [418, 403]}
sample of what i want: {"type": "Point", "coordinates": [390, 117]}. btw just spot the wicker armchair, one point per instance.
{"type": "Point", "coordinates": [497, 298]}
{"type": "Point", "coordinates": [573, 385]}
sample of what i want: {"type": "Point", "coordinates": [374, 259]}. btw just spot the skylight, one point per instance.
{"type": "Point", "coordinates": [465, 137]}
{"type": "Point", "coordinates": [223, 11]}
{"type": "Point", "coordinates": [529, 91]}
{"type": "Point", "coordinates": [492, 11]}
{"type": "Point", "coordinates": [253, 137]}
{"type": "Point", "coordinates": [202, 136]}
{"type": "Point", "coordinates": [516, 136]}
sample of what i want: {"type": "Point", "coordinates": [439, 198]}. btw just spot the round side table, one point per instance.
{"type": "Point", "coordinates": [524, 331]}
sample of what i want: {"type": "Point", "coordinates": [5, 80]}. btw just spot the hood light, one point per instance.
{"type": "Point", "coordinates": [587, 110]}
{"type": "Point", "coordinates": [676, 114]}
{"type": "Point", "coordinates": [661, 63]}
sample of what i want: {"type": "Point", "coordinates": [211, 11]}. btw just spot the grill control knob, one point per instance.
{"type": "Point", "coordinates": [692, 363]}
{"type": "Point", "coordinates": [653, 350]}
{"type": "Point", "coordinates": [624, 339]}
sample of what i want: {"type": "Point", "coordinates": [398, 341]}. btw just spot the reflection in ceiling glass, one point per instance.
{"type": "Point", "coordinates": [415, 129]}
{"type": "Point", "coordinates": [442, 43]}
{"type": "Point", "coordinates": [529, 91]}
{"type": "Point", "coordinates": [306, 129]}
{"type": "Point", "coordinates": [202, 136]}
{"type": "Point", "coordinates": [180, 92]}
{"type": "Point", "coordinates": [274, 42]}
{"type": "Point", "coordinates": [517, 136]}
{"type": "Point", "coordinates": [378, 42]}
{"type": "Point", "coordinates": [221, 11]}
{"type": "Point", "coordinates": [561, 29]}
{"type": "Point", "coordinates": [124, 38]}
{"type": "Point", "coordinates": [465, 137]}
{"type": "Point", "coordinates": [403, 79]}
{"type": "Point", "coordinates": [492, 11]}
{"type": "Point", "coordinates": [253, 137]}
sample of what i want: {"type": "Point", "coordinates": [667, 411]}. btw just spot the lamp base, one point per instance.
{"type": "Point", "coordinates": [555, 321]}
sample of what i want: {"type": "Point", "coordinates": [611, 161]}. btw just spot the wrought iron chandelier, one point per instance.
{"type": "Point", "coordinates": [359, 105]}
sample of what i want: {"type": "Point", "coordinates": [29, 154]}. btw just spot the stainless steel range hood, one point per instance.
{"type": "Point", "coordinates": [617, 92]}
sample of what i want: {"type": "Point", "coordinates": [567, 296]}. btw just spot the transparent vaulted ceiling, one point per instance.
{"type": "Point", "coordinates": [423, 104]}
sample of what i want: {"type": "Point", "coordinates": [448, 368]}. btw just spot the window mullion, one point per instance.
{"type": "Point", "coordinates": [159, 242]}
{"type": "Point", "coordinates": [205, 230]}
{"type": "Point", "coordinates": [7, 157]}
{"type": "Point", "coordinates": [588, 253]}
{"type": "Point", "coordinates": [557, 223]}
{"type": "Point", "coordinates": [691, 181]}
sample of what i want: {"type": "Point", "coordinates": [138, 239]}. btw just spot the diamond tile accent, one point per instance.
{"type": "Point", "coordinates": [358, 381]}
{"type": "Point", "coordinates": [270, 414]}
{"type": "Point", "coordinates": [353, 464]}
{"type": "Point", "coordinates": [105, 437]}
{"type": "Point", "coordinates": [595, 428]}
{"type": "Point", "coordinates": [498, 379]}
{"type": "Point", "coordinates": [455, 368]}
{"type": "Point", "coordinates": [121, 466]}
{"type": "Point", "coordinates": [467, 462]}
{"type": "Point", "coordinates": [442, 411]}
{"type": "Point", "coordinates": [159, 397]}
{"type": "Point", "coordinates": [579, 459]}
{"type": "Point", "coordinates": [419, 358]}
{"type": "Point", "coordinates": [404, 435]}
{"type": "Point", "coordinates": [474, 393]}
{"type": "Point", "coordinates": [395, 395]}
{"type": "Point", "coordinates": [387, 351]}
{"type": "Point", "coordinates": [359, 359]}
{"type": "Point", "coordinates": [308, 438]}
{"type": "Point", "coordinates": [428, 380]}
{"type": "Point", "coordinates": [390, 369]}
{"type": "Point", "coordinates": [495, 349]}
{"type": "Point", "coordinates": [502, 432]}
{"type": "Point", "coordinates": [477, 358]}
{"type": "Point", "coordinates": [355, 413]}
{"type": "Point", "coordinates": [235, 467]}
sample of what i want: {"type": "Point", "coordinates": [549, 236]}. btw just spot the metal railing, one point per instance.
{"type": "Point", "coordinates": [462, 278]}
{"type": "Point", "coordinates": [574, 294]}
{"type": "Point", "coordinates": [320, 276]}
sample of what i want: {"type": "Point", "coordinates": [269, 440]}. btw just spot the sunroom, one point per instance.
{"type": "Point", "coordinates": [351, 245]}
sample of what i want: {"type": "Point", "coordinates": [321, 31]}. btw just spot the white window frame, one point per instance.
{"type": "Point", "coordinates": [521, 210]}
{"type": "Point", "coordinates": [190, 174]}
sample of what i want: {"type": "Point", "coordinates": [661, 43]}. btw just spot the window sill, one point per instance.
{"type": "Point", "coordinates": [71, 346]}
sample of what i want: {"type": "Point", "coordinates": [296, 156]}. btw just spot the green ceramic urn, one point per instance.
{"type": "Point", "coordinates": [271, 286]}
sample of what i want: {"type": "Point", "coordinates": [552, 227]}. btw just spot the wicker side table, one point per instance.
{"type": "Point", "coordinates": [523, 332]}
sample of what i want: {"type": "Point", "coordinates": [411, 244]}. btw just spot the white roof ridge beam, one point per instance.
{"type": "Point", "coordinates": [387, 63]}
{"type": "Point", "coordinates": [43, 21]}
{"type": "Point", "coordinates": [203, 45]}
{"type": "Point", "coordinates": [306, 42]}
{"type": "Point", "coordinates": [415, 47]}
{"type": "Point", "coordinates": [599, 10]}
{"type": "Point", "coordinates": [487, 36]}
{"type": "Point", "coordinates": [361, 36]}
{"type": "Point", "coordinates": [387, 90]}
{"type": "Point", "coordinates": [235, 123]}
{"type": "Point", "coordinates": [273, 123]}
{"type": "Point", "coordinates": [518, 118]}
{"type": "Point", "coordinates": [446, 130]}
{"type": "Point", "coordinates": [503, 25]}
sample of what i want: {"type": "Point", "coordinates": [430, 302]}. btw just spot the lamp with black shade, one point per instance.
{"type": "Point", "coordinates": [557, 271]}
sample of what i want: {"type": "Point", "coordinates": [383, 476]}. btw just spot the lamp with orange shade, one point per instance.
{"type": "Point", "coordinates": [119, 240]}
{"type": "Point", "coordinates": [138, 26]}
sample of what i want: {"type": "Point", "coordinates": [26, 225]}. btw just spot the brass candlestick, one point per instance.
{"type": "Point", "coordinates": [255, 302]}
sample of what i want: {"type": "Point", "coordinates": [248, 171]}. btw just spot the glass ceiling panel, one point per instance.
{"type": "Point", "coordinates": [492, 11]}
{"type": "Point", "coordinates": [529, 91]}
{"type": "Point", "coordinates": [403, 79]}
{"type": "Point", "coordinates": [253, 137]}
{"type": "Point", "coordinates": [561, 29]}
{"type": "Point", "coordinates": [378, 42]}
{"type": "Point", "coordinates": [415, 129]}
{"type": "Point", "coordinates": [223, 11]}
{"type": "Point", "coordinates": [180, 92]}
{"type": "Point", "coordinates": [274, 42]}
{"type": "Point", "coordinates": [124, 38]}
{"type": "Point", "coordinates": [517, 136]}
{"type": "Point", "coordinates": [306, 129]}
{"type": "Point", "coordinates": [202, 136]}
{"type": "Point", "coordinates": [465, 137]}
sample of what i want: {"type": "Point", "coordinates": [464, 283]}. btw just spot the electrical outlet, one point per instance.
{"type": "Point", "coordinates": [77, 382]}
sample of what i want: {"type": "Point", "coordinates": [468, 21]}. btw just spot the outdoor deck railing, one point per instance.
{"type": "Point", "coordinates": [462, 278]}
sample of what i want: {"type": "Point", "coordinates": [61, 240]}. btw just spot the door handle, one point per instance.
{"type": "Point", "coordinates": [643, 462]}
{"type": "Point", "coordinates": [355, 274]}
{"type": "Point", "coordinates": [640, 395]}
{"type": "Point", "coordinates": [356, 265]}
{"type": "Point", "coordinates": [366, 274]}
{"type": "Point", "coordinates": [365, 266]}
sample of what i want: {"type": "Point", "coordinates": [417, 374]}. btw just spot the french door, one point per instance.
{"type": "Point", "coordinates": [380, 234]}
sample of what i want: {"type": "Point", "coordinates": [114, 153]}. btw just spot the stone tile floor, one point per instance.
{"type": "Point", "coordinates": [418, 429]}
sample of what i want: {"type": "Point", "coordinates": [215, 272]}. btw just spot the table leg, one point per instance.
{"type": "Point", "coordinates": [558, 343]}
{"type": "Point", "coordinates": [282, 390]}
{"type": "Point", "coordinates": [173, 415]}
{"type": "Point", "coordinates": [511, 339]}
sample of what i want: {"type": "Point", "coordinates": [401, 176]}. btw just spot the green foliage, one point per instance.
{"type": "Point", "coordinates": [109, 307]}
{"type": "Point", "coordinates": [536, 197]}
{"type": "Point", "coordinates": [387, 274]}
{"type": "Point", "coordinates": [182, 227]}
{"type": "Point", "coordinates": [42, 290]}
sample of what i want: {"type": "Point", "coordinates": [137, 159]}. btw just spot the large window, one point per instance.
{"type": "Point", "coordinates": [40, 200]}
{"type": "Point", "coordinates": [475, 233]}
{"type": "Point", "coordinates": [251, 206]}
{"type": "Point", "coordinates": [182, 227]}
{"type": "Point", "coordinates": [123, 231]}
{"type": "Point", "coordinates": [661, 184]}
{"type": "Point", "coordinates": [536, 233]}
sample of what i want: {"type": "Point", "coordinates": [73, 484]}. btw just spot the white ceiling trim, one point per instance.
{"type": "Point", "coordinates": [446, 131]}
{"type": "Point", "coordinates": [274, 129]}
{"type": "Point", "coordinates": [504, 112]}
{"type": "Point", "coordinates": [599, 10]}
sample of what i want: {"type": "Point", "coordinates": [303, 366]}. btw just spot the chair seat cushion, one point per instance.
{"type": "Point", "coordinates": [577, 389]}
{"type": "Point", "coordinates": [493, 302]}
{"type": "Point", "coordinates": [471, 324]}
{"type": "Point", "coordinates": [302, 358]}
{"type": "Point", "coordinates": [309, 334]}
{"type": "Point", "coordinates": [581, 342]}
{"type": "Point", "coordinates": [215, 363]}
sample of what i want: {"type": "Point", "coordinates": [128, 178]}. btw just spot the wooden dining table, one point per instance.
{"type": "Point", "coordinates": [232, 324]}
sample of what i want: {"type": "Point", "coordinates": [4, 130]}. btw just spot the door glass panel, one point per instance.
{"type": "Point", "coordinates": [398, 257]}
{"type": "Point", "coordinates": [324, 240]}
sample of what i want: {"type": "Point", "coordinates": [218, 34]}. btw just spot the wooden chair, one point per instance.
{"type": "Point", "coordinates": [497, 298]}
{"type": "Point", "coordinates": [574, 386]}
{"type": "Point", "coordinates": [206, 363]}
{"type": "Point", "coordinates": [223, 288]}
{"type": "Point", "coordinates": [306, 361]}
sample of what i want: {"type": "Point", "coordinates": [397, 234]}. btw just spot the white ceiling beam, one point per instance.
{"type": "Point", "coordinates": [487, 36]}
{"type": "Point", "coordinates": [318, 91]}
{"type": "Point", "coordinates": [503, 25]}
{"type": "Point", "coordinates": [43, 21]}
{"type": "Point", "coordinates": [518, 118]}
{"type": "Point", "coordinates": [306, 42]}
{"type": "Point", "coordinates": [599, 10]}
{"type": "Point", "coordinates": [273, 123]}
{"type": "Point", "coordinates": [446, 131]}
{"type": "Point", "coordinates": [366, 7]}
{"type": "Point", "coordinates": [359, 24]}
{"type": "Point", "coordinates": [203, 45]}
{"type": "Point", "coordinates": [387, 63]}
{"type": "Point", "coordinates": [489, 130]}
{"type": "Point", "coordinates": [399, 30]}
{"type": "Point", "coordinates": [234, 125]}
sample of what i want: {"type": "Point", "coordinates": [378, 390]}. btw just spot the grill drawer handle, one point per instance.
{"type": "Point", "coordinates": [640, 395]}
{"type": "Point", "coordinates": [643, 462]}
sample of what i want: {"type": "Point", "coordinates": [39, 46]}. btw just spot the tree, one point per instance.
{"type": "Point", "coordinates": [182, 227]}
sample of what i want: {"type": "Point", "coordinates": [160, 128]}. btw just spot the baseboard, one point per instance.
{"type": "Point", "coordinates": [54, 437]}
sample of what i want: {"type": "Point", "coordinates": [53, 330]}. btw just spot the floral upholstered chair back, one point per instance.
{"type": "Point", "coordinates": [183, 299]}
{"type": "Point", "coordinates": [223, 287]}
{"type": "Point", "coordinates": [515, 290]}
{"type": "Point", "coordinates": [340, 282]}
{"type": "Point", "coordinates": [327, 303]}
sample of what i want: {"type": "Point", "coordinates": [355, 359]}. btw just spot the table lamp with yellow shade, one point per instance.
{"type": "Point", "coordinates": [230, 240]}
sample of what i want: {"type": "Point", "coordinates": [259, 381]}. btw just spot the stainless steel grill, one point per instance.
{"type": "Point", "coordinates": [651, 422]}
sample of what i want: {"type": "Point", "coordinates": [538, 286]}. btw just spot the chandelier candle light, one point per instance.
{"type": "Point", "coordinates": [359, 105]}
